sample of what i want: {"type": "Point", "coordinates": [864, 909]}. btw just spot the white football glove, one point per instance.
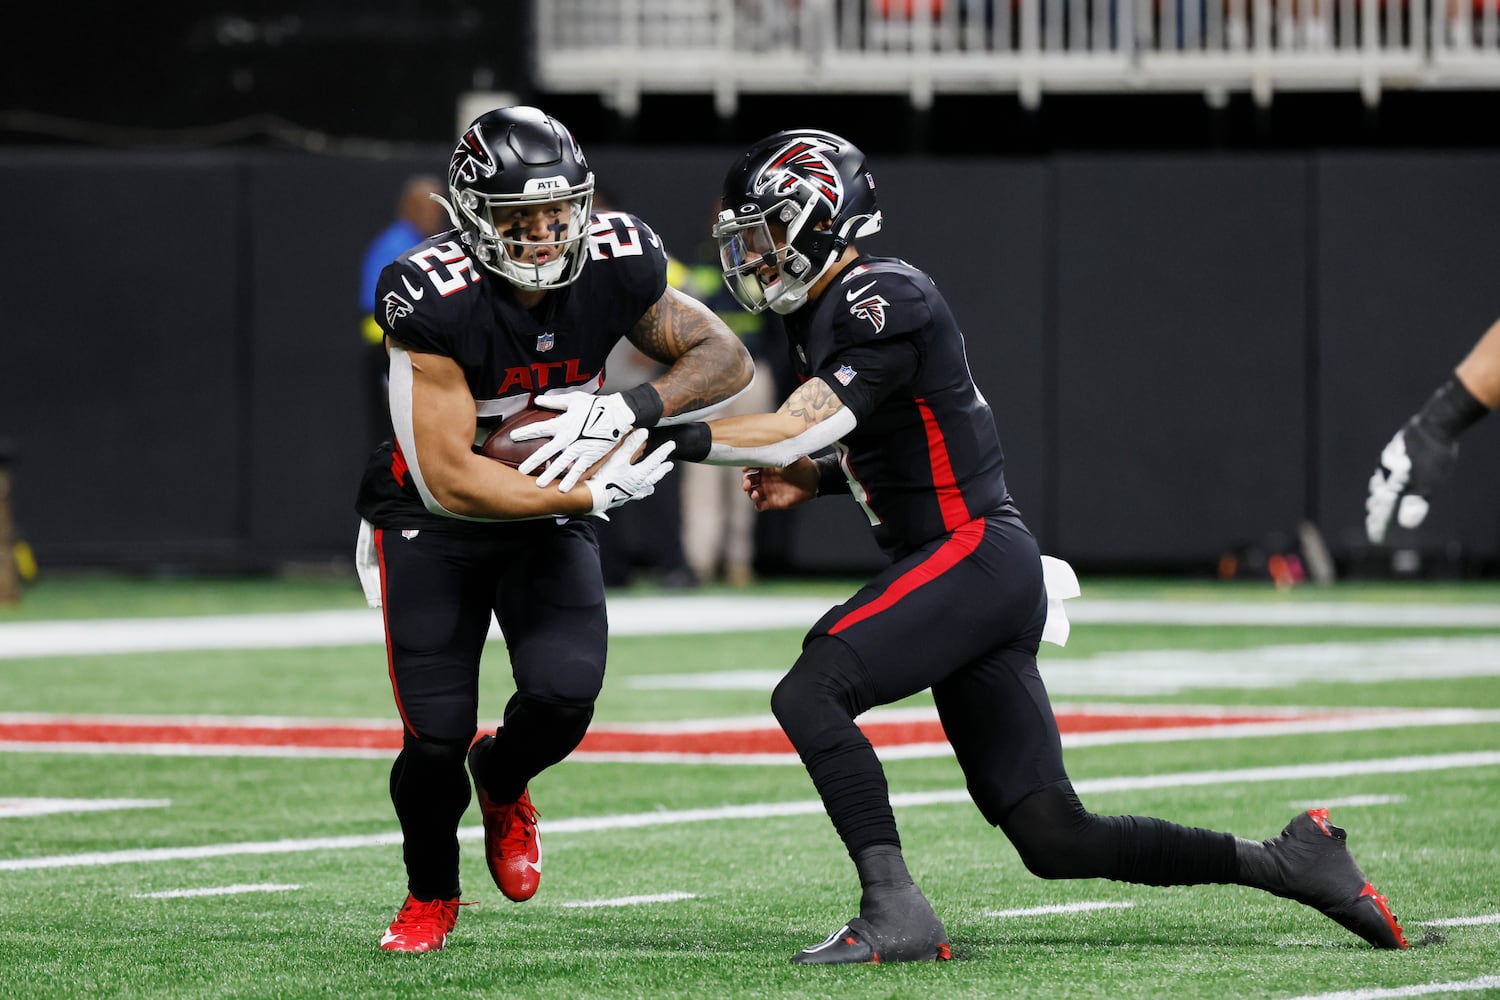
{"type": "Point", "coordinates": [1412, 465]}
{"type": "Point", "coordinates": [588, 427]}
{"type": "Point", "coordinates": [619, 481]}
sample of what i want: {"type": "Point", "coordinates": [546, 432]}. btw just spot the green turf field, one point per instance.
{"type": "Point", "coordinates": [311, 844]}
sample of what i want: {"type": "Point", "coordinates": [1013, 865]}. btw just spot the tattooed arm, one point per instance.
{"type": "Point", "coordinates": [708, 363]}
{"type": "Point", "coordinates": [811, 404]}
{"type": "Point", "coordinates": [810, 420]}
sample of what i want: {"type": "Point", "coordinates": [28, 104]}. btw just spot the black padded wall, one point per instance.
{"type": "Point", "coordinates": [1184, 352]}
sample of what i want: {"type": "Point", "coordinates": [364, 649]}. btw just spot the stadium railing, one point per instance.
{"type": "Point", "coordinates": [621, 49]}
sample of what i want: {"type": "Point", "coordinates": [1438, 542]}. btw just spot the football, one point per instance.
{"type": "Point", "coordinates": [501, 448]}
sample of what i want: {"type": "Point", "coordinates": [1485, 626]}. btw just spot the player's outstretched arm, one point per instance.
{"type": "Point", "coordinates": [709, 367]}
{"type": "Point", "coordinates": [1422, 454]}
{"type": "Point", "coordinates": [810, 420]}
{"type": "Point", "coordinates": [1480, 371]}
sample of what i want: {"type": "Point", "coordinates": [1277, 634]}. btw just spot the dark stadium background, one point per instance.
{"type": "Point", "coordinates": [1197, 326]}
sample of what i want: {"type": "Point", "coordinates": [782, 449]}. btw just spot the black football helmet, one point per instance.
{"type": "Point", "coordinates": [808, 184]}
{"type": "Point", "coordinates": [518, 159]}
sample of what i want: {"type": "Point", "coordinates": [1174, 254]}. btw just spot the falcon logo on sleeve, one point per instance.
{"type": "Point", "coordinates": [395, 308]}
{"type": "Point", "coordinates": [872, 309]}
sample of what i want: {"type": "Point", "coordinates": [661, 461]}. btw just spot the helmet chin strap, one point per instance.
{"type": "Point", "coordinates": [789, 300]}
{"type": "Point", "coordinates": [533, 276]}
{"type": "Point", "coordinates": [786, 303]}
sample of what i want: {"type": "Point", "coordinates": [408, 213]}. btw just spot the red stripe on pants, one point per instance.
{"type": "Point", "coordinates": [958, 547]}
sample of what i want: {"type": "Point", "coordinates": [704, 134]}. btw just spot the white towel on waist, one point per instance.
{"type": "Point", "coordinates": [1062, 584]}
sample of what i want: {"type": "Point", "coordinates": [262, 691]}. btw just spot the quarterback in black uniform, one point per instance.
{"type": "Point", "coordinates": [963, 604]}
{"type": "Point", "coordinates": [520, 303]}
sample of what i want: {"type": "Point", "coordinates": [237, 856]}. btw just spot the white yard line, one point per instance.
{"type": "Point", "coordinates": [1169, 671]}
{"type": "Point", "coordinates": [763, 810]}
{"type": "Point", "coordinates": [14, 807]}
{"type": "Point", "coordinates": [223, 890]}
{"type": "Point", "coordinates": [660, 897]}
{"type": "Point", "coordinates": [1480, 921]}
{"type": "Point", "coordinates": [196, 750]}
{"type": "Point", "coordinates": [687, 614]}
{"type": "Point", "coordinates": [1462, 986]}
{"type": "Point", "coordinates": [1357, 613]}
{"type": "Point", "coordinates": [1042, 911]}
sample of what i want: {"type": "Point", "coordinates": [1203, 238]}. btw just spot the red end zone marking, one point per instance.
{"type": "Point", "coordinates": [115, 732]}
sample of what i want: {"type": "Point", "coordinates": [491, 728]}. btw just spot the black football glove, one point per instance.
{"type": "Point", "coordinates": [1412, 466]}
{"type": "Point", "coordinates": [1418, 459]}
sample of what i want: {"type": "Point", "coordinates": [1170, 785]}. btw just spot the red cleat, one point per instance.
{"type": "Point", "coordinates": [421, 926]}
{"type": "Point", "coordinates": [512, 842]}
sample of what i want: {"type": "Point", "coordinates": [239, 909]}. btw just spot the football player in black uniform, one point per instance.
{"type": "Point", "coordinates": [963, 604]}
{"type": "Point", "coordinates": [519, 303]}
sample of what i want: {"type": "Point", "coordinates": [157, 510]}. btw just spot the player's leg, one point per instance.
{"type": "Point", "coordinates": [1000, 722]}
{"type": "Point", "coordinates": [816, 704]}
{"type": "Point", "coordinates": [550, 605]}
{"type": "Point", "coordinates": [436, 615]}
{"type": "Point", "coordinates": [997, 716]}
{"type": "Point", "coordinates": [903, 632]}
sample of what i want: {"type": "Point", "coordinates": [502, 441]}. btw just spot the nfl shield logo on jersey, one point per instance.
{"type": "Point", "coordinates": [545, 341]}
{"type": "Point", "coordinates": [845, 375]}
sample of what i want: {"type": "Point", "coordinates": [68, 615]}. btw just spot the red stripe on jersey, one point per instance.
{"type": "Point", "coordinates": [385, 612]}
{"type": "Point", "coordinates": [398, 465]}
{"type": "Point", "coordinates": [950, 500]}
{"type": "Point", "coordinates": [958, 547]}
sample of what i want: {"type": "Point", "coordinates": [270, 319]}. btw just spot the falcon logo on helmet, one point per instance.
{"type": "Point", "coordinates": [801, 198]}
{"type": "Point", "coordinates": [803, 162]}
{"type": "Point", "coordinates": [472, 159]}
{"type": "Point", "coordinates": [521, 192]}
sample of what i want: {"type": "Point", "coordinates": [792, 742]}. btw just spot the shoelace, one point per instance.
{"type": "Point", "coordinates": [418, 917]}
{"type": "Point", "coordinates": [520, 826]}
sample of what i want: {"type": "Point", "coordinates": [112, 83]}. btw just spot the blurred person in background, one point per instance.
{"type": "Point", "coordinates": [964, 603]}
{"type": "Point", "coordinates": [417, 217]}
{"type": "Point", "coordinates": [718, 527]}
{"type": "Point", "coordinates": [642, 544]}
{"type": "Point", "coordinates": [517, 305]}
{"type": "Point", "coordinates": [1422, 454]}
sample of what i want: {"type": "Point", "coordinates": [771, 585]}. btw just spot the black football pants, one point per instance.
{"type": "Point", "coordinates": [963, 616]}
{"type": "Point", "coordinates": [541, 581]}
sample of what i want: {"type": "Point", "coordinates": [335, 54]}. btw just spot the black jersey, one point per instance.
{"type": "Point", "coordinates": [925, 457]}
{"type": "Point", "coordinates": [436, 299]}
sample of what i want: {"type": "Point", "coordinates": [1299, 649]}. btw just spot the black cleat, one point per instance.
{"type": "Point", "coordinates": [900, 927]}
{"type": "Point", "coordinates": [1316, 868]}
{"type": "Point", "coordinates": [857, 943]}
